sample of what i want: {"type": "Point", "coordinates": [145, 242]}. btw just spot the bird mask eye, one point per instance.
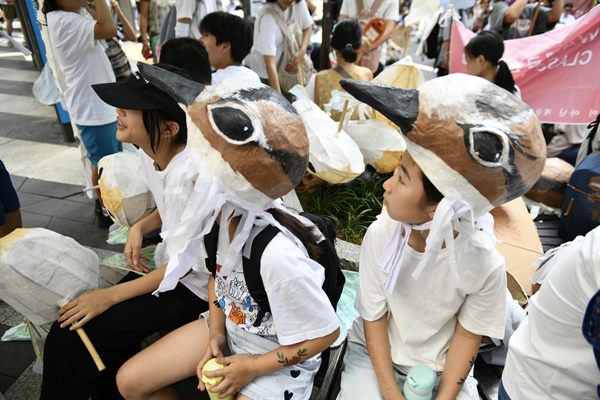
{"type": "Point", "coordinates": [489, 146]}
{"type": "Point", "coordinates": [235, 122]}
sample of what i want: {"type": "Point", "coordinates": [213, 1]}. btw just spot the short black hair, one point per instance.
{"type": "Point", "coordinates": [226, 27]}
{"type": "Point", "coordinates": [190, 55]}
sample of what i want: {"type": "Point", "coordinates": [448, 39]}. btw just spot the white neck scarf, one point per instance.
{"type": "Point", "coordinates": [452, 214]}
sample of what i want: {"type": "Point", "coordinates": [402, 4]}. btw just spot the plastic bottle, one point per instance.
{"type": "Point", "coordinates": [419, 383]}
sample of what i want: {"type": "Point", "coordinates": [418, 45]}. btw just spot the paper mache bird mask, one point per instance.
{"type": "Point", "coordinates": [242, 132]}
{"type": "Point", "coordinates": [464, 133]}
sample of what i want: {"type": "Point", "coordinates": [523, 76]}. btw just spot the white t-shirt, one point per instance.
{"type": "Point", "coordinates": [389, 9]}
{"type": "Point", "coordinates": [268, 38]}
{"type": "Point", "coordinates": [83, 63]}
{"type": "Point", "coordinates": [548, 357]}
{"type": "Point", "coordinates": [170, 194]}
{"type": "Point", "coordinates": [422, 314]}
{"type": "Point", "coordinates": [300, 309]}
{"type": "Point", "coordinates": [234, 71]}
{"type": "Point", "coordinates": [196, 10]}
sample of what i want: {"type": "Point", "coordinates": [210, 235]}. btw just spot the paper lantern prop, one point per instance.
{"type": "Point", "coordinates": [41, 270]}
{"type": "Point", "coordinates": [334, 156]}
{"type": "Point", "coordinates": [402, 74]}
{"type": "Point", "coordinates": [381, 145]}
{"type": "Point", "coordinates": [124, 189]}
{"type": "Point", "coordinates": [551, 187]}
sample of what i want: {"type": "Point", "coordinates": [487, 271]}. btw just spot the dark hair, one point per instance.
{"type": "Point", "coordinates": [568, 5]}
{"type": "Point", "coordinates": [49, 6]}
{"type": "Point", "coordinates": [226, 27]}
{"type": "Point", "coordinates": [302, 232]}
{"type": "Point", "coordinates": [154, 122]}
{"type": "Point", "coordinates": [347, 38]}
{"type": "Point", "coordinates": [189, 54]}
{"type": "Point", "coordinates": [432, 194]}
{"type": "Point", "coordinates": [490, 45]}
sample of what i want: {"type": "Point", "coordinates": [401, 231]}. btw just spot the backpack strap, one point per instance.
{"type": "Point", "coordinates": [210, 244]}
{"type": "Point", "coordinates": [252, 265]}
{"type": "Point", "coordinates": [342, 72]}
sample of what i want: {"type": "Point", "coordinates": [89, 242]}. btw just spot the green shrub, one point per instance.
{"type": "Point", "coordinates": [351, 207]}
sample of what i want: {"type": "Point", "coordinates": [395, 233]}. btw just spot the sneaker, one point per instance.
{"type": "Point", "coordinates": [104, 220]}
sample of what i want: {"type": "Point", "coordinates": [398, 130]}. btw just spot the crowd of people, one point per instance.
{"type": "Point", "coordinates": [237, 146]}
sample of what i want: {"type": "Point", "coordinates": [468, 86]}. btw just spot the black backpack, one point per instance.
{"type": "Point", "coordinates": [334, 278]}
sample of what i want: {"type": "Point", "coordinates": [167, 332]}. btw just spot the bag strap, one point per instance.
{"type": "Point", "coordinates": [211, 242]}
{"type": "Point", "coordinates": [342, 72]}
{"type": "Point", "coordinates": [252, 265]}
{"type": "Point", "coordinates": [594, 130]}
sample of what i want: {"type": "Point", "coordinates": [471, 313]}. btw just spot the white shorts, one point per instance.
{"type": "Point", "coordinates": [295, 382]}
{"type": "Point", "coordinates": [360, 382]}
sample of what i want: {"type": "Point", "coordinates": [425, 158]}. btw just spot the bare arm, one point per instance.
{"type": "Point", "coordinates": [556, 11]}
{"type": "Point", "coordinates": [143, 18]}
{"type": "Point", "coordinates": [241, 369]}
{"type": "Point", "coordinates": [378, 344]}
{"type": "Point", "coordinates": [105, 27]}
{"type": "Point", "coordinates": [271, 64]}
{"type": "Point", "coordinates": [461, 357]}
{"type": "Point", "coordinates": [93, 303]}
{"type": "Point", "coordinates": [129, 31]}
{"type": "Point", "coordinates": [296, 59]}
{"type": "Point", "coordinates": [390, 25]}
{"type": "Point", "coordinates": [514, 11]}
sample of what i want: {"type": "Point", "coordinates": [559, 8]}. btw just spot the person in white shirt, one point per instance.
{"type": "Point", "coordinates": [76, 42]}
{"type": "Point", "coordinates": [567, 16]}
{"type": "Point", "coordinates": [549, 355]}
{"type": "Point", "coordinates": [246, 164]}
{"type": "Point", "coordinates": [119, 317]}
{"type": "Point", "coordinates": [431, 282]}
{"type": "Point", "coordinates": [189, 13]}
{"type": "Point", "coordinates": [228, 40]}
{"type": "Point", "coordinates": [269, 40]}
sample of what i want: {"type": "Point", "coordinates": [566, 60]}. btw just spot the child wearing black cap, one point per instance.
{"type": "Point", "coordinates": [119, 317]}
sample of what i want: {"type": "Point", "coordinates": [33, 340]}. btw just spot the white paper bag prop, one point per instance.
{"type": "Point", "coordinates": [251, 147]}
{"type": "Point", "coordinates": [334, 156]}
{"type": "Point", "coordinates": [124, 189]}
{"type": "Point", "coordinates": [479, 146]}
{"type": "Point", "coordinates": [402, 74]}
{"type": "Point", "coordinates": [381, 145]}
{"type": "Point", "coordinates": [41, 270]}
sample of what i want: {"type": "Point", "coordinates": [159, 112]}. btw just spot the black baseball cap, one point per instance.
{"type": "Point", "coordinates": [138, 93]}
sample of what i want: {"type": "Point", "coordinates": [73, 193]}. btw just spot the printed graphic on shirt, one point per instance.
{"type": "Point", "coordinates": [234, 299]}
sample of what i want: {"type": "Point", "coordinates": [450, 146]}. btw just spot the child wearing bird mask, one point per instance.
{"type": "Point", "coordinates": [431, 282]}
{"type": "Point", "coordinates": [252, 148]}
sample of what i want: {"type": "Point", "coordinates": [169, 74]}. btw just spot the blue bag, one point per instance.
{"type": "Point", "coordinates": [581, 209]}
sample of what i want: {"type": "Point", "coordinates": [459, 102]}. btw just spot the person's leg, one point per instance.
{"type": "Point", "coordinates": [358, 377]}
{"type": "Point", "coordinates": [173, 358]}
{"type": "Point", "coordinates": [69, 371]}
{"type": "Point", "coordinates": [99, 141]}
{"type": "Point", "coordinates": [10, 216]}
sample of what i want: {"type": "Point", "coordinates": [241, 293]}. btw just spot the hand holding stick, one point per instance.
{"type": "Point", "coordinates": [88, 344]}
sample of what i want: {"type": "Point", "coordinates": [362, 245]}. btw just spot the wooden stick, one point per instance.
{"type": "Point", "coordinates": [90, 347]}
{"type": "Point", "coordinates": [87, 343]}
{"type": "Point", "coordinates": [343, 116]}
{"type": "Point", "coordinates": [300, 77]}
{"type": "Point", "coordinates": [535, 15]}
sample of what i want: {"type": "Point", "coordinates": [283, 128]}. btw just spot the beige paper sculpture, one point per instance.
{"type": "Point", "coordinates": [124, 188]}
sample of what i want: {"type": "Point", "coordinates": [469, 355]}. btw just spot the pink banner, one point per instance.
{"type": "Point", "coordinates": [558, 72]}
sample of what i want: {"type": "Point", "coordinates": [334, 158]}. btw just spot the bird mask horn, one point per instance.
{"type": "Point", "coordinates": [180, 89]}
{"type": "Point", "coordinates": [400, 105]}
